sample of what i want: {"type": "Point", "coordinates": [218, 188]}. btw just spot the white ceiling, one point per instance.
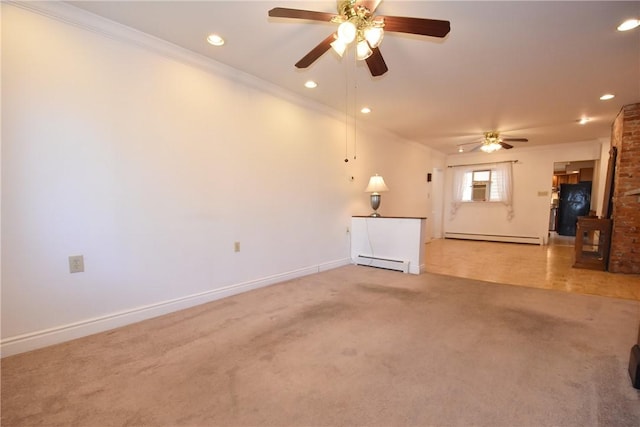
{"type": "Point", "coordinates": [527, 69]}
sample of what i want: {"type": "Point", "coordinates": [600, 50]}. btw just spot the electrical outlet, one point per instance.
{"type": "Point", "coordinates": [76, 264]}
{"type": "Point", "coordinates": [236, 246]}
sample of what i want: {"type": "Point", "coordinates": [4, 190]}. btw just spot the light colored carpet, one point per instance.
{"type": "Point", "coordinates": [351, 346]}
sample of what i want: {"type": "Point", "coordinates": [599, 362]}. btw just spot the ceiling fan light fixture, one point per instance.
{"type": "Point", "coordinates": [490, 147]}
{"type": "Point", "coordinates": [339, 47]}
{"type": "Point", "coordinates": [491, 142]}
{"type": "Point", "coordinates": [363, 51]}
{"type": "Point", "coordinates": [354, 17]}
{"type": "Point", "coordinates": [347, 32]}
{"type": "Point", "coordinates": [374, 36]}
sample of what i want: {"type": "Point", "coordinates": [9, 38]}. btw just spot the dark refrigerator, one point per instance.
{"type": "Point", "coordinates": [575, 201]}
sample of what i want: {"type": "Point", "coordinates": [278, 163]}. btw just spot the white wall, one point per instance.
{"type": "Point", "coordinates": [409, 192]}
{"type": "Point", "coordinates": [600, 180]}
{"type": "Point", "coordinates": [152, 168]}
{"type": "Point", "coordinates": [531, 174]}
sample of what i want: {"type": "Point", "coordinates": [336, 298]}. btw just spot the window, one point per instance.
{"type": "Point", "coordinates": [489, 184]}
{"type": "Point", "coordinates": [483, 186]}
{"type": "Point", "coordinates": [480, 185]}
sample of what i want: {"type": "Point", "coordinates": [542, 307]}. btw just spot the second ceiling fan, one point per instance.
{"type": "Point", "coordinates": [492, 141]}
{"type": "Point", "coordinates": [358, 24]}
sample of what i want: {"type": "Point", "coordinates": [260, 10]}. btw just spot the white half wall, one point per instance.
{"type": "Point", "coordinates": [152, 168]}
{"type": "Point", "coordinates": [532, 181]}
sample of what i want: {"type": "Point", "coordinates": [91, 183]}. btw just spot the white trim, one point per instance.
{"type": "Point", "coordinates": [88, 21]}
{"type": "Point", "coordinates": [495, 238]}
{"type": "Point", "coordinates": [34, 340]}
{"type": "Point", "coordinates": [71, 15]}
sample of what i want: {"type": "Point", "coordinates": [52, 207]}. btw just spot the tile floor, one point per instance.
{"type": "Point", "coordinates": [548, 267]}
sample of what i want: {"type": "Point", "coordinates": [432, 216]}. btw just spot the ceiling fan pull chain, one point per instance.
{"type": "Point", "coordinates": [355, 106]}
{"type": "Point", "coordinates": [346, 112]}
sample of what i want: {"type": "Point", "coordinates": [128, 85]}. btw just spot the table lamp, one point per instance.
{"type": "Point", "coordinates": [375, 187]}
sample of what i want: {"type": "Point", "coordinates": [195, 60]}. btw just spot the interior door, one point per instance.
{"type": "Point", "coordinates": [575, 201]}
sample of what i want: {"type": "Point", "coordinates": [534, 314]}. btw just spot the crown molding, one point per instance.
{"type": "Point", "coordinates": [80, 18]}
{"type": "Point", "coordinates": [85, 20]}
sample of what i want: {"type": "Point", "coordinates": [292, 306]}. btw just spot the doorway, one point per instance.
{"type": "Point", "coordinates": [570, 196]}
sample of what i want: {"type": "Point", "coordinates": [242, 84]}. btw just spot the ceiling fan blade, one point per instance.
{"type": "Point", "coordinates": [423, 27]}
{"type": "Point", "coordinates": [506, 146]}
{"type": "Point", "coordinates": [515, 139]}
{"type": "Point", "coordinates": [476, 148]}
{"type": "Point", "coordinates": [283, 12]}
{"type": "Point", "coordinates": [372, 5]}
{"type": "Point", "coordinates": [316, 52]}
{"type": "Point", "coordinates": [376, 63]}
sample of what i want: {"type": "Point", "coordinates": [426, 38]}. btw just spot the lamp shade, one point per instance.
{"type": "Point", "coordinates": [339, 46]}
{"type": "Point", "coordinates": [490, 147]}
{"type": "Point", "coordinates": [363, 51]}
{"type": "Point", "coordinates": [347, 32]}
{"type": "Point", "coordinates": [374, 36]}
{"type": "Point", "coordinates": [376, 185]}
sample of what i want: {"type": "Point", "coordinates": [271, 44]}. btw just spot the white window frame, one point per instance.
{"type": "Point", "coordinates": [498, 189]}
{"type": "Point", "coordinates": [480, 187]}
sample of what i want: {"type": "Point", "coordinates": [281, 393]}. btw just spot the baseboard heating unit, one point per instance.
{"type": "Point", "coordinates": [494, 238]}
{"type": "Point", "coordinates": [389, 264]}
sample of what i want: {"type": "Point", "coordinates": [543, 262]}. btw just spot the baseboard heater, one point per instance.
{"type": "Point", "coordinates": [494, 238]}
{"type": "Point", "coordinates": [389, 264]}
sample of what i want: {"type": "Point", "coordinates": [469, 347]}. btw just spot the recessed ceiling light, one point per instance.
{"type": "Point", "coordinates": [629, 24]}
{"type": "Point", "coordinates": [583, 121]}
{"type": "Point", "coordinates": [215, 40]}
{"type": "Point", "coordinates": [310, 84]}
{"type": "Point", "coordinates": [607, 96]}
{"type": "Point", "coordinates": [365, 110]}
{"type": "Point", "coordinates": [460, 149]}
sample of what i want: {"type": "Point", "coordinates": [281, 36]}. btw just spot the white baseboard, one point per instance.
{"type": "Point", "coordinates": [34, 340]}
{"type": "Point", "coordinates": [495, 238]}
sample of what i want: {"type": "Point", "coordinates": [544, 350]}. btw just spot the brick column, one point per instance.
{"type": "Point", "coordinates": [625, 237]}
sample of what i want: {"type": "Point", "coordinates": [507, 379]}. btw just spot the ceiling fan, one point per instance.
{"type": "Point", "coordinates": [492, 141]}
{"type": "Point", "coordinates": [358, 24]}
